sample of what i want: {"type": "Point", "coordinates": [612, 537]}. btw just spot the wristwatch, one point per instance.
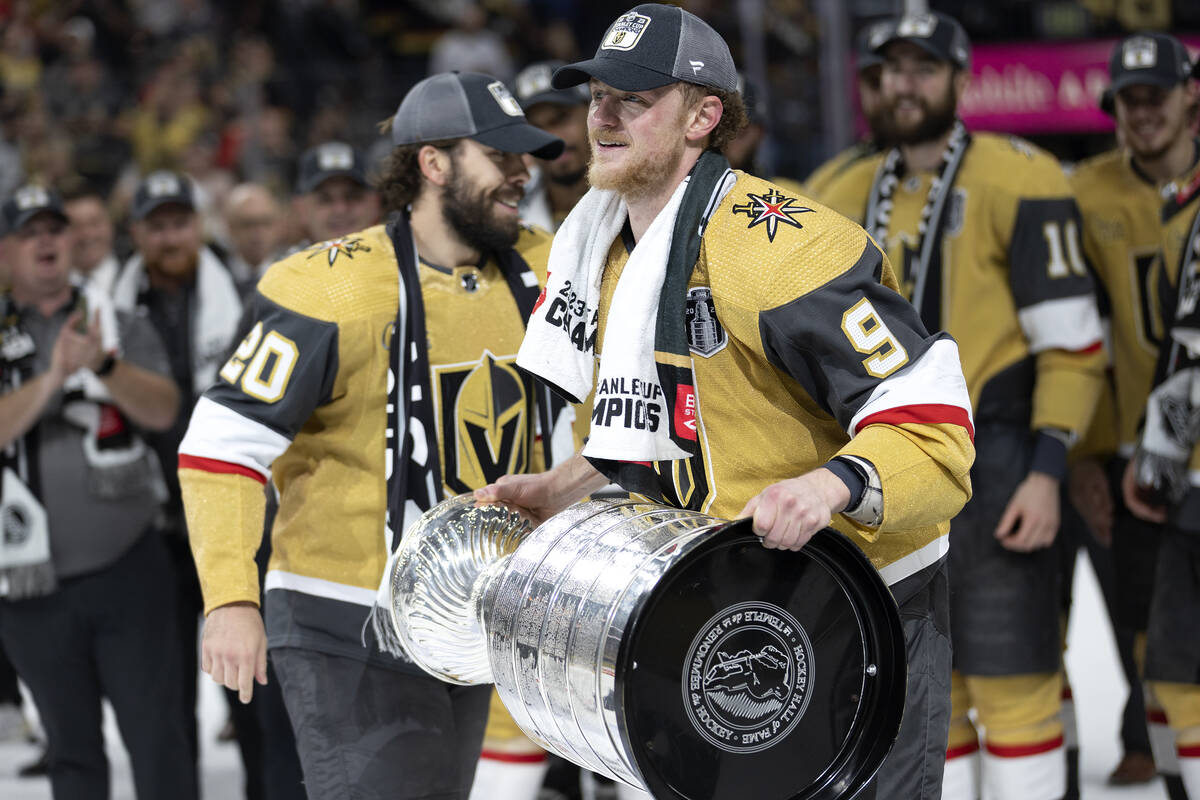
{"type": "Point", "coordinates": [106, 366]}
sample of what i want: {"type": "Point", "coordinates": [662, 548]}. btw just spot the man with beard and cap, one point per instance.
{"type": "Point", "coordinates": [178, 283]}
{"type": "Point", "coordinates": [793, 398]}
{"type": "Point", "coordinates": [557, 185]}
{"type": "Point", "coordinates": [1120, 194]}
{"type": "Point", "coordinates": [333, 195]}
{"type": "Point", "coordinates": [357, 391]}
{"type": "Point", "coordinates": [1161, 484]}
{"type": "Point", "coordinates": [86, 592]}
{"type": "Point", "coordinates": [867, 65]}
{"type": "Point", "coordinates": [985, 231]}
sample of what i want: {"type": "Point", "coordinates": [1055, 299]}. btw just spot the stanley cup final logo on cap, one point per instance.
{"type": "Point", "coordinates": [28, 197]}
{"type": "Point", "coordinates": [163, 184]}
{"type": "Point", "coordinates": [507, 102]}
{"type": "Point", "coordinates": [1140, 52]}
{"type": "Point", "coordinates": [918, 26]}
{"type": "Point", "coordinates": [335, 155]}
{"type": "Point", "coordinates": [625, 32]}
{"type": "Point", "coordinates": [747, 678]}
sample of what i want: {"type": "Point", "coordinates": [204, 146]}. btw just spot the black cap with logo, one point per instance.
{"type": "Point", "coordinates": [934, 32]}
{"type": "Point", "coordinates": [1153, 59]}
{"type": "Point", "coordinates": [654, 45]}
{"type": "Point", "coordinates": [533, 86]}
{"type": "Point", "coordinates": [865, 55]}
{"type": "Point", "coordinates": [330, 160]}
{"type": "Point", "coordinates": [26, 202]}
{"type": "Point", "coordinates": [469, 105]}
{"type": "Point", "coordinates": [162, 188]}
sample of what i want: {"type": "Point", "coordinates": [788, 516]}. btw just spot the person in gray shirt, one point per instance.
{"type": "Point", "coordinates": [85, 591]}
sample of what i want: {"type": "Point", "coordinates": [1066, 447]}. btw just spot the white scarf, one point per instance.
{"type": "Point", "coordinates": [215, 322]}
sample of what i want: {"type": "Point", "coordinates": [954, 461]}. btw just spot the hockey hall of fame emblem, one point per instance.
{"type": "Point", "coordinates": [748, 677]}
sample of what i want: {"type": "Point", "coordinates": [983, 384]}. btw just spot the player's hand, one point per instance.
{"type": "Point", "coordinates": [1030, 521]}
{"type": "Point", "coordinates": [1087, 486]}
{"type": "Point", "coordinates": [74, 350]}
{"type": "Point", "coordinates": [535, 497]}
{"type": "Point", "coordinates": [788, 513]}
{"type": "Point", "coordinates": [234, 648]}
{"type": "Point", "coordinates": [1133, 497]}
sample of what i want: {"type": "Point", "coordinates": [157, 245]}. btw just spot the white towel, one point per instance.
{"type": "Point", "coordinates": [215, 321]}
{"type": "Point", "coordinates": [558, 342]}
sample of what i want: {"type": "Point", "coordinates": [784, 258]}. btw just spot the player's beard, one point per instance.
{"type": "Point", "coordinates": [638, 176]}
{"type": "Point", "coordinates": [470, 213]}
{"type": "Point", "coordinates": [937, 119]}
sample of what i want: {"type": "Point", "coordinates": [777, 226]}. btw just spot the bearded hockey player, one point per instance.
{"type": "Point", "coordinates": [985, 232]}
{"type": "Point", "coordinates": [363, 394]}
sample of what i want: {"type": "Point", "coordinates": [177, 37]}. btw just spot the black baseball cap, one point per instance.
{"type": "Point", "coordinates": [469, 105]}
{"type": "Point", "coordinates": [1157, 59]}
{"type": "Point", "coordinates": [533, 86]}
{"type": "Point", "coordinates": [655, 45]}
{"type": "Point", "coordinates": [330, 160]}
{"type": "Point", "coordinates": [934, 32]}
{"type": "Point", "coordinates": [26, 202]}
{"type": "Point", "coordinates": [162, 188]}
{"type": "Point", "coordinates": [865, 55]}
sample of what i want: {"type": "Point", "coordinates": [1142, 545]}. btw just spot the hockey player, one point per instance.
{"type": "Point", "coordinates": [792, 383]}
{"type": "Point", "coordinates": [1162, 483]}
{"type": "Point", "coordinates": [361, 392]}
{"type": "Point", "coordinates": [984, 229]}
{"type": "Point", "coordinates": [1120, 194]}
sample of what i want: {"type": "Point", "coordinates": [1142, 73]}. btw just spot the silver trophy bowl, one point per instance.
{"type": "Point", "coordinates": [628, 637]}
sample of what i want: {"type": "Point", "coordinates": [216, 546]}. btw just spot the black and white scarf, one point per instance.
{"type": "Point", "coordinates": [925, 272]}
{"type": "Point", "coordinates": [412, 461]}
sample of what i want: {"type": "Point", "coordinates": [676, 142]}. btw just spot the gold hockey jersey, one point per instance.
{"type": "Point", "coordinates": [1014, 289]}
{"type": "Point", "coordinates": [1122, 236]}
{"type": "Point", "coordinates": [802, 350]}
{"type": "Point", "coordinates": [818, 182]}
{"type": "Point", "coordinates": [303, 402]}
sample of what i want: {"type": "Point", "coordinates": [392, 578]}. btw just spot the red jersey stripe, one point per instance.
{"type": "Point", "coordinates": [962, 750]}
{"type": "Point", "coordinates": [221, 467]}
{"type": "Point", "coordinates": [514, 758]}
{"type": "Point", "coordinates": [929, 414]}
{"type": "Point", "coordinates": [1022, 750]}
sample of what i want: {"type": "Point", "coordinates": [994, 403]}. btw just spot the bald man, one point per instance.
{"type": "Point", "coordinates": [256, 232]}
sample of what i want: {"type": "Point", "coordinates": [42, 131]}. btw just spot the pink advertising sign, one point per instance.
{"type": "Point", "coordinates": [1041, 88]}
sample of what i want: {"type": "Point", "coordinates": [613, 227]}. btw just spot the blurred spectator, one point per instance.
{"type": "Point", "coordinates": [93, 619]}
{"type": "Point", "coordinates": [472, 47]}
{"type": "Point", "coordinates": [256, 231]}
{"type": "Point", "coordinates": [190, 299]}
{"type": "Point", "coordinates": [168, 119]}
{"type": "Point", "coordinates": [555, 186]}
{"type": "Point", "coordinates": [334, 198]}
{"type": "Point", "coordinates": [92, 235]}
{"type": "Point", "coordinates": [743, 151]}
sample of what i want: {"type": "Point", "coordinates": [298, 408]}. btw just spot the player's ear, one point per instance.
{"type": "Point", "coordinates": [435, 164]}
{"type": "Point", "coordinates": [704, 118]}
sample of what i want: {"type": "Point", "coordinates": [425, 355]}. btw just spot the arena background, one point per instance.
{"type": "Point", "coordinates": [98, 92]}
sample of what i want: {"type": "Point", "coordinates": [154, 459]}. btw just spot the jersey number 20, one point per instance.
{"type": "Point", "coordinates": [263, 363]}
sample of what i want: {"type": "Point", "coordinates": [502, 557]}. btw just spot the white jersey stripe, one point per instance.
{"type": "Point", "coordinates": [915, 561]}
{"type": "Point", "coordinates": [1068, 323]}
{"type": "Point", "coordinates": [222, 434]}
{"type": "Point", "coordinates": [317, 587]}
{"type": "Point", "coordinates": [933, 379]}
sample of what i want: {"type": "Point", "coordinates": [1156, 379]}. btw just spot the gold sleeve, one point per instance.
{"type": "Point", "coordinates": [225, 528]}
{"type": "Point", "coordinates": [924, 470]}
{"type": "Point", "coordinates": [1068, 389]}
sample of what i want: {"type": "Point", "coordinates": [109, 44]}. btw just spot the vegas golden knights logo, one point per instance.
{"type": "Point", "coordinates": [485, 413]}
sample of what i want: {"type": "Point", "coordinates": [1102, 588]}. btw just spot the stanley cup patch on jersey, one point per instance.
{"type": "Point", "coordinates": [483, 409]}
{"type": "Point", "coordinates": [705, 334]}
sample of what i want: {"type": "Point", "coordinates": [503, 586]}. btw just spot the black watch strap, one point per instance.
{"type": "Point", "coordinates": [106, 366]}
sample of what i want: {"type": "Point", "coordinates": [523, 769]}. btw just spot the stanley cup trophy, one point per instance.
{"type": "Point", "coordinates": [662, 647]}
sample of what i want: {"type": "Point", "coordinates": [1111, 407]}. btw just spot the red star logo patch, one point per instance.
{"type": "Point", "coordinates": [771, 209]}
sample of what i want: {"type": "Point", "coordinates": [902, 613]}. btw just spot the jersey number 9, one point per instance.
{"type": "Point", "coordinates": [263, 363]}
{"type": "Point", "coordinates": [869, 334]}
